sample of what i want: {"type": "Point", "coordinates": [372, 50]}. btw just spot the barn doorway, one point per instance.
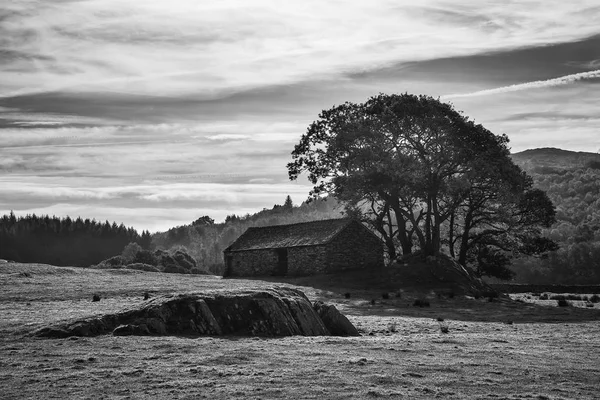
{"type": "Point", "coordinates": [228, 265]}
{"type": "Point", "coordinates": [282, 262]}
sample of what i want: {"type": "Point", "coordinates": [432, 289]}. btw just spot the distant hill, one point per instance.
{"type": "Point", "coordinates": [555, 158]}
{"type": "Point", "coordinates": [572, 181]}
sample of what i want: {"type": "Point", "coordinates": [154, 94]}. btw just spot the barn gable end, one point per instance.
{"type": "Point", "coordinates": [303, 249]}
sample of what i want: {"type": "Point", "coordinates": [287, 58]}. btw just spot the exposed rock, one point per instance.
{"type": "Point", "coordinates": [335, 321]}
{"type": "Point", "coordinates": [268, 312]}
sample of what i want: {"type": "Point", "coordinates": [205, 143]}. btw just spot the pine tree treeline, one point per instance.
{"type": "Point", "coordinates": [64, 241]}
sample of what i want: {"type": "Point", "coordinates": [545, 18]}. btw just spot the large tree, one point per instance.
{"type": "Point", "coordinates": [427, 177]}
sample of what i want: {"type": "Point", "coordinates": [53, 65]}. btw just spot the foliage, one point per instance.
{"type": "Point", "coordinates": [573, 185]}
{"type": "Point", "coordinates": [130, 251]}
{"type": "Point", "coordinates": [423, 175]}
{"type": "Point", "coordinates": [143, 267]}
{"type": "Point", "coordinates": [61, 241]}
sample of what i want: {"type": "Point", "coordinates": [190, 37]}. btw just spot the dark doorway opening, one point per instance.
{"type": "Point", "coordinates": [282, 262]}
{"type": "Point", "coordinates": [228, 265]}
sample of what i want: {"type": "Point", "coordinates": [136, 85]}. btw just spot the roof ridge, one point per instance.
{"type": "Point", "coordinates": [301, 223]}
{"type": "Point", "coordinates": [316, 232]}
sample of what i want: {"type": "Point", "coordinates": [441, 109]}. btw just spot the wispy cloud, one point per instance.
{"type": "Point", "coordinates": [183, 46]}
{"type": "Point", "coordinates": [127, 110]}
{"type": "Point", "coordinates": [563, 80]}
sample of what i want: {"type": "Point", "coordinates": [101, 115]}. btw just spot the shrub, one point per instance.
{"type": "Point", "coordinates": [385, 296]}
{"type": "Point", "coordinates": [595, 299]}
{"type": "Point", "coordinates": [103, 265]}
{"type": "Point", "coordinates": [398, 295]}
{"type": "Point", "coordinates": [421, 303]}
{"type": "Point", "coordinates": [146, 257]}
{"type": "Point", "coordinates": [115, 261]}
{"type": "Point", "coordinates": [558, 297]}
{"type": "Point", "coordinates": [184, 260]}
{"type": "Point", "coordinates": [544, 296]}
{"type": "Point", "coordinates": [96, 297]}
{"type": "Point", "coordinates": [143, 267]}
{"type": "Point", "coordinates": [562, 302]}
{"type": "Point", "coordinates": [347, 295]}
{"type": "Point", "coordinates": [573, 297]}
{"type": "Point", "coordinates": [130, 251]}
{"type": "Point", "coordinates": [175, 269]}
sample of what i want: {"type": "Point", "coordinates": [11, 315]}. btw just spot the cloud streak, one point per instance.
{"type": "Point", "coordinates": [563, 80]}
{"type": "Point", "coordinates": [188, 47]}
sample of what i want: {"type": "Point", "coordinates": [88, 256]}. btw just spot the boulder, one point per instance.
{"type": "Point", "coordinates": [265, 312]}
{"type": "Point", "coordinates": [335, 321]}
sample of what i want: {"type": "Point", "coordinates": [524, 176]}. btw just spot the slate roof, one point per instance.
{"type": "Point", "coordinates": [294, 235]}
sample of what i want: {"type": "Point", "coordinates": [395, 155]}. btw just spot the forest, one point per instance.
{"type": "Point", "coordinates": [64, 241]}
{"type": "Point", "coordinates": [572, 181]}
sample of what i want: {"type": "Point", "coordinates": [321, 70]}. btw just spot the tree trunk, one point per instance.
{"type": "Point", "coordinates": [451, 236]}
{"type": "Point", "coordinates": [464, 244]}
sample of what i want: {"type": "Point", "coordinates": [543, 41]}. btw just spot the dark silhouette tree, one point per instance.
{"type": "Point", "coordinates": [424, 175]}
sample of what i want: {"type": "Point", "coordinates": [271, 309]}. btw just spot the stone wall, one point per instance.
{"type": "Point", "coordinates": [252, 262]}
{"type": "Point", "coordinates": [353, 248]}
{"type": "Point", "coordinates": [307, 260]}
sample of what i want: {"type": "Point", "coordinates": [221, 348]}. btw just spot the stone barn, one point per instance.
{"type": "Point", "coordinates": [304, 249]}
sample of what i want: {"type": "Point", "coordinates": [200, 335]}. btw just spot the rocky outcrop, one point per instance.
{"type": "Point", "coordinates": [335, 321]}
{"type": "Point", "coordinates": [268, 312]}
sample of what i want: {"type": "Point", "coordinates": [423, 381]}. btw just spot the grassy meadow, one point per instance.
{"type": "Point", "coordinates": [456, 348]}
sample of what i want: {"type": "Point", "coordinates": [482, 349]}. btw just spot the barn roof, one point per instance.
{"type": "Point", "coordinates": [294, 235]}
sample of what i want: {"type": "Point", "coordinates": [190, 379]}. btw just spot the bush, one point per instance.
{"type": "Point", "coordinates": [558, 297]}
{"type": "Point", "coordinates": [385, 296]}
{"type": "Point", "coordinates": [562, 303]}
{"type": "Point", "coordinates": [175, 269]}
{"type": "Point", "coordinates": [103, 265]}
{"type": "Point", "coordinates": [146, 257]}
{"type": "Point", "coordinates": [421, 303]}
{"type": "Point", "coordinates": [130, 251]}
{"type": "Point", "coordinates": [143, 267]}
{"type": "Point", "coordinates": [184, 260]}
{"type": "Point", "coordinates": [595, 299]}
{"type": "Point", "coordinates": [544, 296]}
{"type": "Point", "coordinates": [115, 261]}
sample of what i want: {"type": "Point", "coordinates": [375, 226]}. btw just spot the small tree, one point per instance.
{"type": "Point", "coordinates": [288, 205]}
{"type": "Point", "coordinates": [130, 251]}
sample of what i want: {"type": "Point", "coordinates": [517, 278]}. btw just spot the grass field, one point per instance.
{"type": "Point", "coordinates": [500, 349]}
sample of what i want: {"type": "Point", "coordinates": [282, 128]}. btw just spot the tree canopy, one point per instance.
{"type": "Point", "coordinates": [426, 177]}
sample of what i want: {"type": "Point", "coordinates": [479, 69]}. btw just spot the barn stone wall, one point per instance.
{"type": "Point", "coordinates": [252, 262]}
{"type": "Point", "coordinates": [354, 247]}
{"type": "Point", "coordinates": [307, 260]}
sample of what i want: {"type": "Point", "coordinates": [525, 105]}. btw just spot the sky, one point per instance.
{"type": "Point", "coordinates": [154, 113]}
